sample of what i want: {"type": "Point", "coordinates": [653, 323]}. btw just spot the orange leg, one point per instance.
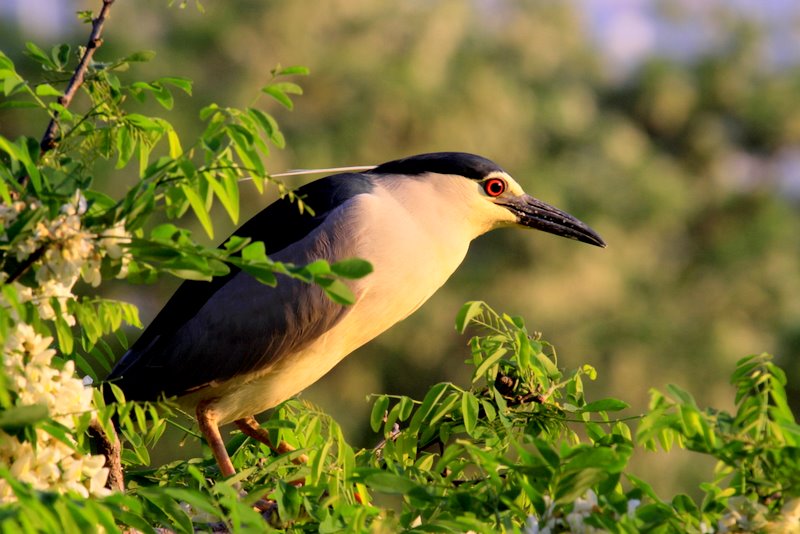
{"type": "Point", "coordinates": [251, 428]}
{"type": "Point", "coordinates": [209, 426]}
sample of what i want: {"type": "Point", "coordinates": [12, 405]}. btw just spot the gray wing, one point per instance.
{"type": "Point", "coordinates": [242, 325]}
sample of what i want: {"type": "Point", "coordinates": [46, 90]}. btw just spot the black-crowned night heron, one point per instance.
{"type": "Point", "coordinates": [234, 347]}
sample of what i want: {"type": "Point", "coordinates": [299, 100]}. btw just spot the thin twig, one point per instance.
{"type": "Point", "coordinates": [49, 139]}
{"type": "Point", "coordinates": [378, 449]}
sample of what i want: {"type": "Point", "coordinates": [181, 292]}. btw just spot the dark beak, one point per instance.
{"type": "Point", "coordinates": [534, 213]}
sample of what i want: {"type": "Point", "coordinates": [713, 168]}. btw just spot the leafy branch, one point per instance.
{"type": "Point", "coordinates": [48, 141]}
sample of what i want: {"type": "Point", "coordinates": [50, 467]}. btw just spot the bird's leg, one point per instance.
{"type": "Point", "coordinates": [251, 428]}
{"type": "Point", "coordinates": [207, 420]}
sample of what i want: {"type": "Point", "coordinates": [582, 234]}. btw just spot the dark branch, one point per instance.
{"type": "Point", "coordinates": [49, 139]}
{"type": "Point", "coordinates": [109, 447]}
{"type": "Point", "coordinates": [25, 265]}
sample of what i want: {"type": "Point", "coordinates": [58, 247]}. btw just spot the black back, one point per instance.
{"type": "Point", "coordinates": [161, 360]}
{"type": "Point", "coordinates": [457, 163]}
{"type": "Point", "coordinates": [278, 225]}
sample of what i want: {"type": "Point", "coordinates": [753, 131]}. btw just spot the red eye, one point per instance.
{"type": "Point", "coordinates": [494, 187]}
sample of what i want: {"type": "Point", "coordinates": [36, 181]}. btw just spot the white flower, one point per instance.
{"type": "Point", "coordinates": [91, 271]}
{"type": "Point", "coordinates": [68, 252]}
{"type": "Point", "coordinates": [52, 465]}
{"type": "Point", "coordinates": [532, 526]}
{"type": "Point", "coordinates": [111, 238]}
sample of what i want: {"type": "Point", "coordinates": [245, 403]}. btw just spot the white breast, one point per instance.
{"type": "Point", "coordinates": [414, 248]}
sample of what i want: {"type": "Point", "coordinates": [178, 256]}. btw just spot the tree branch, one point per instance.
{"type": "Point", "coordinates": [109, 447]}
{"type": "Point", "coordinates": [25, 265]}
{"type": "Point", "coordinates": [49, 141]}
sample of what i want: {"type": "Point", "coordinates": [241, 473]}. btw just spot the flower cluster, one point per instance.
{"type": "Point", "coordinates": [746, 515]}
{"type": "Point", "coordinates": [553, 521]}
{"type": "Point", "coordinates": [49, 464]}
{"type": "Point", "coordinates": [59, 250]}
{"type": "Point", "coordinates": [68, 252]}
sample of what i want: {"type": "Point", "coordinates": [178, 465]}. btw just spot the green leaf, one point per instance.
{"type": "Point", "coordinates": [199, 207]}
{"type": "Point", "coordinates": [547, 453]}
{"type": "Point", "coordinates": [10, 148]}
{"type": "Point", "coordinates": [175, 149]}
{"type": "Point", "coordinates": [172, 512]}
{"type": "Point", "coordinates": [574, 484]}
{"type": "Point", "coordinates": [288, 87]}
{"type": "Point", "coordinates": [432, 397]}
{"type": "Point", "coordinates": [209, 111]}
{"type": "Point", "coordinates": [143, 122]}
{"type": "Point", "coordinates": [295, 69]}
{"type": "Point", "coordinates": [351, 268]}
{"type": "Point", "coordinates": [254, 252]}
{"type": "Point", "coordinates": [265, 275]}
{"type": "Point", "coordinates": [317, 268]}
{"type": "Point", "coordinates": [654, 513]}
{"type": "Point", "coordinates": [486, 364]}
{"type": "Point", "coordinates": [586, 457]}
{"type": "Point", "coordinates": [337, 291]}
{"type": "Point", "coordinates": [5, 62]}
{"type": "Point", "coordinates": [26, 151]}
{"type": "Point", "coordinates": [195, 499]}
{"type": "Point", "coordinates": [18, 104]}
{"type": "Point", "coordinates": [269, 126]}
{"type": "Point", "coordinates": [467, 313]}
{"type": "Point", "coordinates": [390, 483]}
{"type": "Point", "coordinates": [64, 333]}
{"type": "Point", "coordinates": [684, 504]}
{"type": "Point", "coordinates": [164, 97]}
{"type": "Point", "coordinates": [12, 82]}
{"type": "Point", "coordinates": [184, 84]}
{"type": "Point", "coordinates": [444, 409]}
{"type": "Point", "coordinates": [318, 462]}
{"type": "Point", "coordinates": [605, 405]}
{"type": "Point", "coordinates": [140, 57]}
{"type": "Point", "coordinates": [230, 182]}
{"type": "Point", "coordinates": [45, 89]}
{"type": "Point", "coordinates": [469, 411]}
{"type": "Point", "coordinates": [163, 232]}
{"type": "Point", "coordinates": [39, 55]}
{"type": "Point", "coordinates": [17, 417]}
{"type": "Point", "coordinates": [289, 500]}
{"type": "Point", "coordinates": [226, 194]}
{"type": "Point", "coordinates": [682, 395]}
{"type": "Point", "coordinates": [60, 55]}
{"type": "Point", "coordinates": [243, 145]}
{"type": "Point", "coordinates": [378, 412]}
{"type": "Point", "coordinates": [278, 94]}
{"type": "Point", "coordinates": [691, 420]}
{"type": "Point", "coordinates": [125, 145]}
{"type": "Point", "coordinates": [235, 244]}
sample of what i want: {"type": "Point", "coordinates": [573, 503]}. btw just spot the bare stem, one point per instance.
{"type": "Point", "coordinates": [49, 139]}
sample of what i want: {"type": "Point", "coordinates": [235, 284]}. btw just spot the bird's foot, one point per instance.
{"type": "Point", "coordinates": [250, 427]}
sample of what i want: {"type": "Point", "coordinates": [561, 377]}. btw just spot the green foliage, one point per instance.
{"type": "Point", "coordinates": [56, 229]}
{"type": "Point", "coordinates": [520, 448]}
{"type": "Point", "coordinates": [758, 446]}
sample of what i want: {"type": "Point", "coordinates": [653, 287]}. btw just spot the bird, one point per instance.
{"type": "Point", "coordinates": [234, 347]}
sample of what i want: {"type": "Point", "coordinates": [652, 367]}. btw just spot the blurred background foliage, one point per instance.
{"type": "Point", "coordinates": [671, 127]}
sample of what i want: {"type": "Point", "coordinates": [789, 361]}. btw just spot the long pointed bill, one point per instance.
{"type": "Point", "coordinates": [534, 213]}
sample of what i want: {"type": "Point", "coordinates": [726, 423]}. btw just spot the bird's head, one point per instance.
{"type": "Point", "coordinates": [484, 193]}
